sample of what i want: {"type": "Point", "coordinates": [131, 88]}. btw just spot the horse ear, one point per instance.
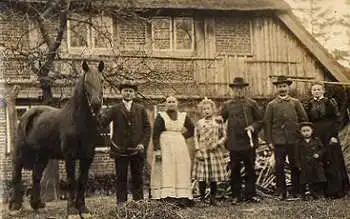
{"type": "Point", "coordinates": [101, 66]}
{"type": "Point", "coordinates": [85, 66]}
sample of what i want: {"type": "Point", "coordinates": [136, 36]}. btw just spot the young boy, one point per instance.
{"type": "Point", "coordinates": [309, 161]}
{"type": "Point", "coordinates": [282, 117]}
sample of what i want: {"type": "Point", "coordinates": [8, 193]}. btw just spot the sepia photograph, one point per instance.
{"type": "Point", "coordinates": [174, 109]}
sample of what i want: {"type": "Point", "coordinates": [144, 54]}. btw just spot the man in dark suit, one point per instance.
{"type": "Point", "coordinates": [282, 117]}
{"type": "Point", "coordinates": [244, 120]}
{"type": "Point", "coordinates": [130, 140]}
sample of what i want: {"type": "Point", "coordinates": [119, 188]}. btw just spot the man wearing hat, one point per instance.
{"type": "Point", "coordinates": [282, 117]}
{"type": "Point", "coordinates": [129, 143]}
{"type": "Point", "coordinates": [244, 119]}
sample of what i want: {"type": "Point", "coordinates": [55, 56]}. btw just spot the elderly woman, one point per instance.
{"type": "Point", "coordinates": [324, 114]}
{"type": "Point", "coordinates": [171, 169]}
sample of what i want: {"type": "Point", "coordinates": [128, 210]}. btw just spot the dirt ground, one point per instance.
{"type": "Point", "coordinates": [104, 207]}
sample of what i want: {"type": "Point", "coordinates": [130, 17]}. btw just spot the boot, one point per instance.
{"type": "Point", "coordinates": [213, 193]}
{"type": "Point", "coordinates": [202, 187]}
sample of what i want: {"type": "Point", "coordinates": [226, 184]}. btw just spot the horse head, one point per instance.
{"type": "Point", "coordinates": [93, 87]}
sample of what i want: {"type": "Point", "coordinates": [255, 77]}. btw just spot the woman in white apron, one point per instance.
{"type": "Point", "coordinates": [171, 166]}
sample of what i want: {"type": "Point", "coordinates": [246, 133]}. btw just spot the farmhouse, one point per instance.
{"type": "Point", "coordinates": [187, 48]}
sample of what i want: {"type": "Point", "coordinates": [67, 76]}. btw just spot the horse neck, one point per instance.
{"type": "Point", "coordinates": [78, 108]}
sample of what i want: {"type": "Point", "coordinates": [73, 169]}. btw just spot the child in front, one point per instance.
{"type": "Point", "coordinates": [209, 164]}
{"type": "Point", "coordinates": [309, 161]}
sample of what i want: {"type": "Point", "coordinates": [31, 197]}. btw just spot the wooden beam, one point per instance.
{"type": "Point", "coordinates": [313, 81]}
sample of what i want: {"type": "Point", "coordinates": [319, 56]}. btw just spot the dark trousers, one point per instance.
{"type": "Point", "coordinates": [281, 151]}
{"type": "Point", "coordinates": [248, 159]}
{"type": "Point", "coordinates": [136, 163]}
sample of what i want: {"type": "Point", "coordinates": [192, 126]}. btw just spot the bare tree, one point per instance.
{"type": "Point", "coordinates": [39, 39]}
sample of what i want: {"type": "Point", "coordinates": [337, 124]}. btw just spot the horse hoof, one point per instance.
{"type": "Point", "coordinates": [74, 216]}
{"type": "Point", "coordinates": [37, 205]}
{"type": "Point", "coordinates": [15, 213]}
{"type": "Point", "coordinates": [71, 211]}
{"type": "Point", "coordinates": [86, 215]}
{"type": "Point", "coordinates": [13, 206]}
{"type": "Point", "coordinates": [84, 210]}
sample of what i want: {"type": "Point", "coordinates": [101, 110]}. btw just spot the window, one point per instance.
{"type": "Point", "coordinates": [20, 110]}
{"type": "Point", "coordinates": [106, 133]}
{"type": "Point", "coordinates": [173, 34]}
{"type": "Point", "coordinates": [89, 34]}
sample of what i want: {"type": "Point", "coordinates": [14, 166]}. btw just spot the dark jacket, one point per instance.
{"type": "Point", "coordinates": [311, 168]}
{"type": "Point", "coordinates": [240, 113]}
{"type": "Point", "coordinates": [129, 128]}
{"type": "Point", "coordinates": [282, 118]}
{"type": "Point", "coordinates": [325, 116]}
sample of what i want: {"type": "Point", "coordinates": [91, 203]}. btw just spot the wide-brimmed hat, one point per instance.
{"type": "Point", "coordinates": [127, 84]}
{"type": "Point", "coordinates": [282, 80]}
{"type": "Point", "coordinates": [238, 82]}
{"type": "Point", "coordinates": [302, 124]}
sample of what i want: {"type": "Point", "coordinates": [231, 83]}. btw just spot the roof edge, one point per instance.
{"type": "Point", "coordinates": [313, 46]}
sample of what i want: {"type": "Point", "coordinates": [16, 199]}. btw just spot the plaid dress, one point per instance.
{"type": "Point", "coordinates": [210, 165]}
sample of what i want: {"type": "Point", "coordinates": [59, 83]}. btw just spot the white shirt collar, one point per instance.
{"type": "Point", "coordinates": [127, 104]}
{"type": "Point", "coordinates": [320, 98]}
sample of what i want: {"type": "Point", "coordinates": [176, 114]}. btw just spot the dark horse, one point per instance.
{"type": "Point", "coordinates": [47, 133]}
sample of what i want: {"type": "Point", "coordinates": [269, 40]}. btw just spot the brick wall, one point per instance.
{"type": "Point", "coordinates": [233, 35]}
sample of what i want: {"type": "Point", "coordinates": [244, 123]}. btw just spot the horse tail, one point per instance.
{"type": "Point", "coordinates": [24, 153]}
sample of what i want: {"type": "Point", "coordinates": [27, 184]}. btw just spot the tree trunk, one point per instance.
{"type": "Point", "coordinates": [49, 182]}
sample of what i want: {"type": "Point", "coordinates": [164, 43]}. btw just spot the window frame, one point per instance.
{"type": "Point", "coordinates": [109, 23]}
{"type": "Point", "coordinates": [8, 133]}
{"type": "Point", "coordinates": [192, 30]}
{"type": "Point", "coordinates": [90, 49]}
{"type": "Point", "coordinates": [169, 19]}
{"type": "Point", "coordinates": [76, 49]}
{"type": "Point", "coordinates": [104, 148]}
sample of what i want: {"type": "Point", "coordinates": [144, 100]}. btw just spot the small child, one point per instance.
{"type": "Point", "coordinates": [309, 152]}
{"type": "Point", "coordinates": [209, 164]}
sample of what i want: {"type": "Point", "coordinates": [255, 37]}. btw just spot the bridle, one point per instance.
{"type": "Point", "coordinates": [93, 114]}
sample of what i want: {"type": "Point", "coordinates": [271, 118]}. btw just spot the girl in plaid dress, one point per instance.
{"type": "Point", "coordinates": [209, 164]}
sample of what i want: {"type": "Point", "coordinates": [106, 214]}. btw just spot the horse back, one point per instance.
{"type": "Point", "coordinates": [39, 125]}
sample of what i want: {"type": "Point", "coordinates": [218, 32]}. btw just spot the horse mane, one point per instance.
{"type": "Point", "coordinates": [77, 105]}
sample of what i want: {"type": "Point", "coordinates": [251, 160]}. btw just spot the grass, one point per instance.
{"type": "Point", "coordinates": [104, 207]}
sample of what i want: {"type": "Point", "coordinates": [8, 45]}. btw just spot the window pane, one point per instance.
{"type": "Point", "coordinates": [78, 34]}
{"type": "Point", "coordinates": [102, 32]}
{"type": "Point", "coordinates": [184, 33]}
{"type": "Point", "coordinates": [161, 33]}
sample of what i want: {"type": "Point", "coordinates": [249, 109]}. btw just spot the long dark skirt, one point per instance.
{"type": "Point", "coordinates": [335, 170]}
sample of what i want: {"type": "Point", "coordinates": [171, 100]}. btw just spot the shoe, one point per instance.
{"type": "Point", "coordinates": [282, 197]}
{"type": "Point", "coordinates": [236, 201]}
{"type": "Point", "coordinates": [253, 199]}
{"type": "Point", "coordinates": [212, 201]}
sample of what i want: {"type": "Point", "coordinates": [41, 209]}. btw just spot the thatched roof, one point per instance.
{"type": "Point", "coordinates": [243, 5]}
{"type": "Point", "coordinates": [224, 5]}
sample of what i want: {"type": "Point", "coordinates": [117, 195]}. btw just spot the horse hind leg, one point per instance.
{"type": "Point", "coordinates": [84, 166]}
{"type": "Point", "coordinates": [38, 169]}
{"type": "Point", "coordinates": [70, 170]}
{"type": "Point", "coordinates": [16, 199]}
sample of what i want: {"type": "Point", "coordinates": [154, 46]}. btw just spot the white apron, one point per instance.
{"type": "Point", "coordinates": [171, 176]}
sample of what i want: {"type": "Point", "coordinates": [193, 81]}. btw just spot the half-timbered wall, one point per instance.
{"type": "Point", "coordinates": [217, 48]}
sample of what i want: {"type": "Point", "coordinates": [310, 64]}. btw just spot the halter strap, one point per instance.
{"type": "Point", "coordinates": [89, 101]}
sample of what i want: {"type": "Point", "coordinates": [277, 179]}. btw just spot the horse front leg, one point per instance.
{"type": "Point", "coordinates": [70, 170]}
{"type": "Point", "coordinates": [84, 167]}
{"type": "Point", "coordinates": [38, 169]}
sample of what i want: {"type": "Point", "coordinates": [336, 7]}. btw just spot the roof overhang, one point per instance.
{"type": "Point", "coordinates": [313, 46]}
